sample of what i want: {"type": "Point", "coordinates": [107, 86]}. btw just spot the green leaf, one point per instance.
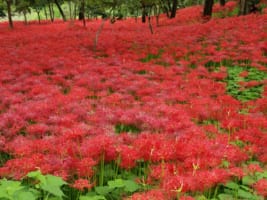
{"type": "Point", "coordinates": [95, 197]}
{"type": "Point", "coordinates": [103, 190]}
{"type": "Point", "coordinates": [38, 176]}
{"type": "Point", "coordinates": [131, 186]}
{"type": "Point", "coordinates": [225, 197]}
{"type": "Point", "coordinates": [245, 194]}
{"type": "Point", "coordinates": [232, 185]}
{"type": "Point", "coordinates": [117, 183]}
{"type": "Point", "coordinates": [248, 180]}
{"type": "Point", "coordinates": [56, 191]}
{"type": "Point", "coordinates": [8, 188]}
{"type": "Point", "coordinates": [25, 195]}
{"type": "Point", "coordinates": [53, 185]}
{"type": "Point", "coordinates": [55, 180]}
{"type": "Point", "coordinates": [260, 175]}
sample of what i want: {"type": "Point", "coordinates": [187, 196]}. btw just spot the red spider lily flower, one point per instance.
{"type": "Point", "coordinates": [261, 187]}
{"type": "Point", "coordinates": [252, 168]}
{"type": "Point", "coordinates": [85, 167]}
{"type": "Point", "coordinates": [150, 195]}
{"type": "Point", "coordinates": [128, 156]}
{"type": "Point", "coordinates": [236, 172]}
{"type": "Point", "coordinates": [82, 184]}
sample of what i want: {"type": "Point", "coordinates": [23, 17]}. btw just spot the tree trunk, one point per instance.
{"type": "Point", "coordinates": [244, 7]}
{"type": "Point", "coordinates": [70, 10]}
{"type": "Point", "coordinates": [165, 8]}
{"type": "Point", "coordinates": [25, 17]}
{"type": "Point", "coordinates": [82, 13]}
{"type": "Point", "coordinates": [150, 25]}
{"type": "Point", "coordinates": [10, 21]}
{"type": "Point", "coordinates": [208, 8]}
{"type": "Point", "coordinates": [45, 12]}
{"type": "Point", "coordinates": [39, 17]}
{"type": "Point", "coordinates": [222, 2]}
{"type": "Point", "coordinates": [174, 7]}
{"type": "Point", "coordinates": [98, 33]}
{"type": "Point", "coordinates": [143, 15]}
{"type": "Point", "coordinates": [60, 10]}
{"type": "Point", "coordinates": [51, 11]}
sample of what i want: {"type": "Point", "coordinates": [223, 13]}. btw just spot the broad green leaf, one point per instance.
{"type": "Point", "coordinates": [54, 198]}
{"type": "Point", "coordinates": [117, 183]}
{"type": "Point", "coordinates": [130, 186]}
{"type": "Point", "coordinates": [38, 176]}
{"type": "Point", "coordinates": [54, 180]}
{"type": "Point", "coordinates": [232, 185]}
{"type": "Point", "coordinates": [25, 195]}
{"type": "Point", "coordinates": [56, 191]}
{"type": "Point", "coordinates": [103, 190]}
{"type": "Point", "coordinates": [53, 185]}
{"type": "Point", "coordinates": [248, 180]}
{"type": "Point", "coordinates": [245, 194]}
{"type": "Point", "coordinates": [225, 197]}
{"type": "Point", "coordinates": [261, 175]}
{"type": "Point", "coordinates": [95, 197]}
{"type": "Point", "coordinates": [8, 188]}
{"type": "Point", "coordinates": [201, 197]}
{"type": "Point", "coordinates": [245, 188]}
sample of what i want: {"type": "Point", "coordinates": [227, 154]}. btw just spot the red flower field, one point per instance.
{"type": "Point", "coordinates": [183, 110]}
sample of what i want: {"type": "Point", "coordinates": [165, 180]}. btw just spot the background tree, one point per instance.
{"type": "Point", "coordinates": [23, 6]}
{"type": "Point", "coordinates": [58, 4]}
{"type": "Point", "coordinates": [2, 8]}
{"type": "Point", "coordinates": [9, 13]}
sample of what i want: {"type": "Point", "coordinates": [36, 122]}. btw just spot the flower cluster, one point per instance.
{"type": "Point", "coordinates": [64, 106]}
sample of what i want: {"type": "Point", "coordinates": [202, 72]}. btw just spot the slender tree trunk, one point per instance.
{"type": "Point", "coordinates": [244, 7]}
{"type": "Point", "coordinates": [222, 2]}
{"type": "Point", "coordinates": [98, 33]}
{"type": "Point", "coordinates": [60, 10]}
{"type": "Point", "coordinates": [208, 8]}
{"type": "Point", "coordinates": [143, 15]}
{"type": "Point", "coordinates": [150, 25]}
{"type": "Point", "coordinates": [70, 10]}
{"type": "Point", "coordinates": [75, 11]}
{"type": "Point", "coordinates": [9, 13]}
{"type": "Point", "coordinates": [51, 11]}
{"type": "Point", "coordinates": [45, 12]}
{"type": "Point", "coordinates": [39, 17]}
{"type": "Point", "coordinates": [165, 8]}
{"type": "Point", "coordinates": [25, 17]}
{"type": "Point", "coordinates": [82, 13]}
{"type": "Point", "coordinates": [174, 7]}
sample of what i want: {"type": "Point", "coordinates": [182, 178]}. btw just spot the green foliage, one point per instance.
{"type": "Point", "coordinates": [4, 157]}
{"type": "Point", "coordinates": [242, 189]}
{"type": "Point", "coordinates": [48, 183]}
{"type": "Point", "coordinates": [152, 56]}
{"type": "Point", "coordinates": [233, 82]}
{"type": "Point", "coordinates": [120, 128]}
{"type": "Point", "coordinates": [234, 79]}
{"type": "Point", "coordinates": [14, 190]}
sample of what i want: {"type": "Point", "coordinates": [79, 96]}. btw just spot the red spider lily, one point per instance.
{"type": "Point", "coordinates": [61, 103]}
{"type": "Point", "coordinates": [261, 187]}
{"type": "Point", "coordinates": [82, 184]}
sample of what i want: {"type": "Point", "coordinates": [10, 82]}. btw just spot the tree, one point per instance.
{"type": "Point", "coordinates": [247, 6]}
{"type": "Point", "coordinates": [60, 10]}
{"type": "Point", "coordinates": [38, 5]}
{"type": "Point", "coordinates": [23, 7]}
{"type": "Point", "coordinates": [2, 13]}
{"type": "Point", "coordinates": [174, 8]}
{"type": "Point", "coordinates": [9, 13]}
{"type": "Point", "coordinates": [208, 4]}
